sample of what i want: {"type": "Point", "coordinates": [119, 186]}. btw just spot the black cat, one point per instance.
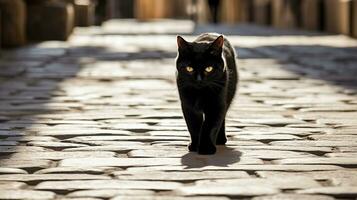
{"type": "Point", "coordinates": [206, 79]}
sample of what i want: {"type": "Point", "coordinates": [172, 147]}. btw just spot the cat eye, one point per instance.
{"type": "Point", "coordinates": [209, 69]}
{"type": "Point", "coordinates": [189, 69]}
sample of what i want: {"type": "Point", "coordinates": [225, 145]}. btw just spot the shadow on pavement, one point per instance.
{"type": "Point", "coordinates": [224, 156]}
{"type": "Point", "coordinates": [46, 88]}
{"type": "Point", "coordinates": [335, 65]}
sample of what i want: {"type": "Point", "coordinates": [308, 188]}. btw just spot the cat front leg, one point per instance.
{"type": "Point", "coordinates": [194, 122]}
{"type": "Point", "coordinates": [221, 137]}
{"type": "Point", "coordinates": [211, 126]}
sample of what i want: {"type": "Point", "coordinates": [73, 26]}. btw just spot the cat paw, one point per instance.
{"type": "Point", "coordinates": [207, 150]}
{"type": "Point", "coordinates": [192, 147]}
{"type": "Point", "coordinates": [221, 141]}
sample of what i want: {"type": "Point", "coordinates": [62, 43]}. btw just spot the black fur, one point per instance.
{"type": "Point", "coordinates": [206, 97]}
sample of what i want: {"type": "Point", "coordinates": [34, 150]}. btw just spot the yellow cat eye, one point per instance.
{"type": "Point", "coordinates": [189, 69]}
{"type": "Point", "coordinates": [209, 69]}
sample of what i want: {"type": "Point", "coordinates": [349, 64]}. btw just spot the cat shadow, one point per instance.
{"type": "Point", "coordinates": [223, 157]}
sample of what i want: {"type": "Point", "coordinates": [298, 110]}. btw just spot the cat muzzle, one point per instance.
{"type": "Point", "coordinates": [198, 77]}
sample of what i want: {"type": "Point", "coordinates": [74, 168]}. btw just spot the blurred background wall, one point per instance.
{"type": "Point", "coordinates": [37, 20]}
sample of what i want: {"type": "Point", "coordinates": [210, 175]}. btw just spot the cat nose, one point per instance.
{"type": "Point", "coordinates": [199, 78]}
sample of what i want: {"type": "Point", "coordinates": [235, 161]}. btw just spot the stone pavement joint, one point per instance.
{"type": "Point", "coordinates": [98, 117]}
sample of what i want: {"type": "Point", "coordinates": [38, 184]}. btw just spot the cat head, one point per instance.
{"type": "Point", "coordinates": [200, 62]}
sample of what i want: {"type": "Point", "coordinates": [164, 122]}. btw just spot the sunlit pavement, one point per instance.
{"type": "Point", "coordinates": [98, 117]}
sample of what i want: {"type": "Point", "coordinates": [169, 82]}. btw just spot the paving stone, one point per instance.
{"type": "Point", "coordinates": [57, 145]}
{"type": "Point", "coordinates": [266, 137]}
{"type": "Point", "coordinates": [233, 167]}
{"type": "Point", "coordinates": [4, 170]}
{"type": "Point", "coordinates": [8, 143]}
{"type": "Point", "coordinates": [339, 177]}
{"type": "Point", "coordinates": [109, 147]}
{"type": "Point", "coordinates": [107, 193]}
{"type": "Point", "coordinates": [346, 155]}
{"type": "Point", "coordinates": [347, 149]}
{"type": "Point", "coordinates": [319, 160]}
{"type": "Point", "coordinates": [50, 177]}
{"type": "Point", "coordinates": [293, 197]}
{"type": "Point", "coordinates": [14, 149]}
{"type": "Point", "coordinates": [11, 185]}
{"type": "Point", "coordinates": [179, 176]}
{"type": "Point", "coordinates": [25, 194]}
{"type": "Point", "coordinates": [82, 132]}
{"type": "Point", "coordinates": [301, 131]}
{"type": "Point", "coordinates": [317, 143]}
{"type": "Point", "coordinates": [273, 122]}
{"type": "Point", "coordinates": [32, 138]}
{"type": "Point", "coordinates": [75, 170]}
{"type": "Point", "coordinates": [85, 198]}
{"type": "Point", "coordinates": [343, 191]}
{"type": "Point", "coordinates": [289, 148]}
{"type": "Point", "coordinates": [106, 184]}
{"type": "Point", "coordinates": [125, 138]}
{"type": "Point", "coordinates": [163, 197]}
{"type": "Point", "coordinates": [55, 155]}
{"type": "Point", "coordinates": [344, 181]}
{"type": "Point", "coordinates": [273, 182]}
{"type": "Point", "coordinates": [10, 133]}
{"type": "Point", "coordinates": [226, 190]}
{"type": "Point", "coordinates": [26, 164]}
{"type": "Point", "coordinates": [334, 137]}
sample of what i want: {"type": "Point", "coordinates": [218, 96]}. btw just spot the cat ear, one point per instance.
{"type": "Point", "coordinates": [181, 43]}
{"type": "Point", "coordinates": [217, 45]}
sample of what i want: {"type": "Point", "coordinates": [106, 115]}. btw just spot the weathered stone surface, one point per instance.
{"type": "Point", "coordinates": [273, 182]}
{"type": "Point", "coordinates": [227, 190]}
{"type": "Point", "coordinates": [343, 191]}
{"type": "Point", "coordinates": [26, 194]}
{"type": "Point", "coordinates": [50, 177]}
{"type": "Point", "coordinates": [345, 155]}
{"type": "Point", "coordinates": [265, 167]}
{"type": "Point", "coordinates": [317, 143]}
{"type": "Point", "coordinates": [99, 117]}
{"type": "Point", "coordinates": [288, 148]}
{"type": "Point", "coordinates": [26, 164]}
{"type": "Point", "coordinates": [75, 170]}
{"type": "Point", "coordinates": [107, 184]}
{"type": "Point", "coordinates": [107, 193]}
{"type": "Point", "coordinates": [4, 170]}
{"type": "Point", "coordinates": [179, 176]}
{"type": "Point", "coordinates": [14, 149]}
{"type": "Point", "coordinates": [55, 155]}
{"type": "Point", "coordinates": [293, 197]}
{"type": "Point", "coordinates": [125, 138]}
{"type": "Point", "coordinates": [11, 185]}
{"type": "Point", "coordinates": [317, 175]}
{"type": "Point", "coordinates": [266, 137]}
{"type": "Point", "coordinates": [273, 122]}
{"type": "Point", "coordinates": [319, 160]}
{"type": "Point", "coordinates": [57, 145]}
{"type": "Point", "coordinates": [344, 181]}
{"type": "Point", "coordinates": [109, 147]}
{"type": "Point", "coordinates": [163, 197]}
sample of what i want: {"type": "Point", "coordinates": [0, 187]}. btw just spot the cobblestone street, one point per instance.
{"type": "Point", "coordinates": [98, 117]}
